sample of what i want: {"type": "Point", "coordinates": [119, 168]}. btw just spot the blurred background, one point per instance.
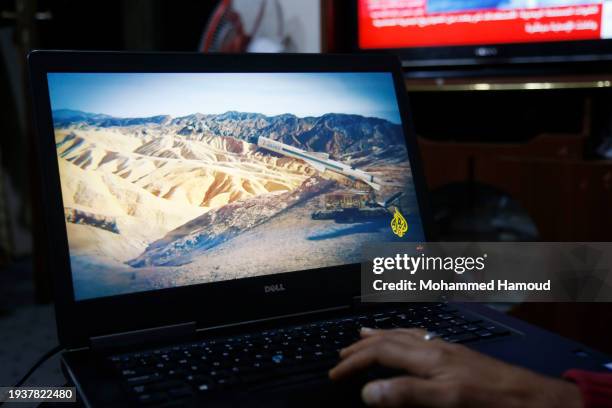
{"type": "Point", "coordinates": [512, 107]}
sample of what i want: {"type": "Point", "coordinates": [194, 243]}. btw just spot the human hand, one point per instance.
{"type": "Point", "coordinates": [441, 374]}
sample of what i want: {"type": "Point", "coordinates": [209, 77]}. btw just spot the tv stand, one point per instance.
{"type": "Point", "coordinates": [510, 83]}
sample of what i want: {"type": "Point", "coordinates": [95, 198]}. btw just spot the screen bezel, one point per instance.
{"type": "Point", "coordinates": [232, 301]}
{"type": "Point", "coordinates": [549, 52]}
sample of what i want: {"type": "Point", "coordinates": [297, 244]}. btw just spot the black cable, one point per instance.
{"type": "Point", "coordinates": [40, 361]}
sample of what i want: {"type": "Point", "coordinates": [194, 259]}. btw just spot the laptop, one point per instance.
{"type": "Point", "coordinates": [206, 216]}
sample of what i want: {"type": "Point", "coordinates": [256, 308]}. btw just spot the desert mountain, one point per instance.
{"type": "Point", "coordinates": [66, 117]}
{"type": "Point", "coordinates": [156, 190]}
{"type": "Point", "coordinates": [339, 135]}
{"type": "Point", "coordinates": [222, 224]}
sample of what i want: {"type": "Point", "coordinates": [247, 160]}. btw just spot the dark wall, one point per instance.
{"type": "Point", "coordinates": [161, 25]}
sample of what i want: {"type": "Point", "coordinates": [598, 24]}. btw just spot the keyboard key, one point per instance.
{"type": "Point", "coordinates": [205, 387]}
{"type": "Point", "coordinates": [149, 399]}
{"type": "Point", "coordinates": [181, 392]}
{"type": "Point", "coordinates": [143, 379]}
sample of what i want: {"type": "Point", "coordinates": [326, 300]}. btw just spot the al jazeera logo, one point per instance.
{"type": "Point", "coordinates": [399, 225]}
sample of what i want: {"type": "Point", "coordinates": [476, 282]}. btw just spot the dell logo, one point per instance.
{"type": "Point", "coordinates": [485, 51]}
{"type": "Point", "coordinates": [274, 288]}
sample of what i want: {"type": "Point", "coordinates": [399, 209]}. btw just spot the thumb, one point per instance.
{"type": "Point", "coordinates": [402, 392]}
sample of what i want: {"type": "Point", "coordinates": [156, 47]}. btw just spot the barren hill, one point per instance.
{"type": "Point", "coordinates": [160, 190]}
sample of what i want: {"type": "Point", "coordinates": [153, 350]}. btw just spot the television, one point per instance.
{"type": "Point", "coordinates": [472, 32]}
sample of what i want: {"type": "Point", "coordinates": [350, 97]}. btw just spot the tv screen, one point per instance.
{"type": "Point", "coordinates": [485, 28]}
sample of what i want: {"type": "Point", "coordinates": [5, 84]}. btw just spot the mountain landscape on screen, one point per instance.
{"type": "Point", "coordinates": [159, 201]}
{"type": "Point", "coordinates": [171, 179]}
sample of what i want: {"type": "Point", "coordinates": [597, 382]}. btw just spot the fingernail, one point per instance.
{"type": "Point", "coordinates": [366, 330]}
{"type": "Point", "coordinates": [373, 392]}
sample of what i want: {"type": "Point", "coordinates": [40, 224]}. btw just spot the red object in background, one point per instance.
{"type": "Point", "coordinates": [405, 24]}
{"type": "Point", "coordinates": [224, 31]}
{"type": "Point", "coordinates": [596, 388]}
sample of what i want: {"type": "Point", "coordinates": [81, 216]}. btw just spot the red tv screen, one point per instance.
{"type": "Point", "coordinates": [431, 23]}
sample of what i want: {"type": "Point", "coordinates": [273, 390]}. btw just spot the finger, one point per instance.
{"type": "Point", "coordinates": [390, 353]}
{"type": "Point", "coordinates": [403, 391]}
{"type": "Point", "coordinates": [367, 332]}
{"type": "Point", "coordinates": [406, 336]}
{"type": "Point", "coordinates": [419, 334]}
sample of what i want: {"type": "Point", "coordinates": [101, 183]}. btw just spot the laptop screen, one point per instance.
{"type": "Point", "coordinates": [174, 179]}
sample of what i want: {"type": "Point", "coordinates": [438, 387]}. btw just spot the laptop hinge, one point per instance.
{"type": "Point", "coordinates": [139, 337]}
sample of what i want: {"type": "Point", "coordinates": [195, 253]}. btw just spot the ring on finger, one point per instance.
{"type": "Point", "coordinates": [430, 336]}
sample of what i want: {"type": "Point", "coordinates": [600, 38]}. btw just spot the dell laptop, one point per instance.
{"type": "Point", "coordinates": [206, 217]}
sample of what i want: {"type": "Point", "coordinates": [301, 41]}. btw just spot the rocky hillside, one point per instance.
{"type": "Point", "coordinates": [159, 190]}
{"type": "Point", "coordinates": [178, 246]}
{"type": "Point", "coordinates": [340, 135]}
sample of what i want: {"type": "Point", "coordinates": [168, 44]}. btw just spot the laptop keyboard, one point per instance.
{"type": "Point", "coordinates": [170, 375]}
